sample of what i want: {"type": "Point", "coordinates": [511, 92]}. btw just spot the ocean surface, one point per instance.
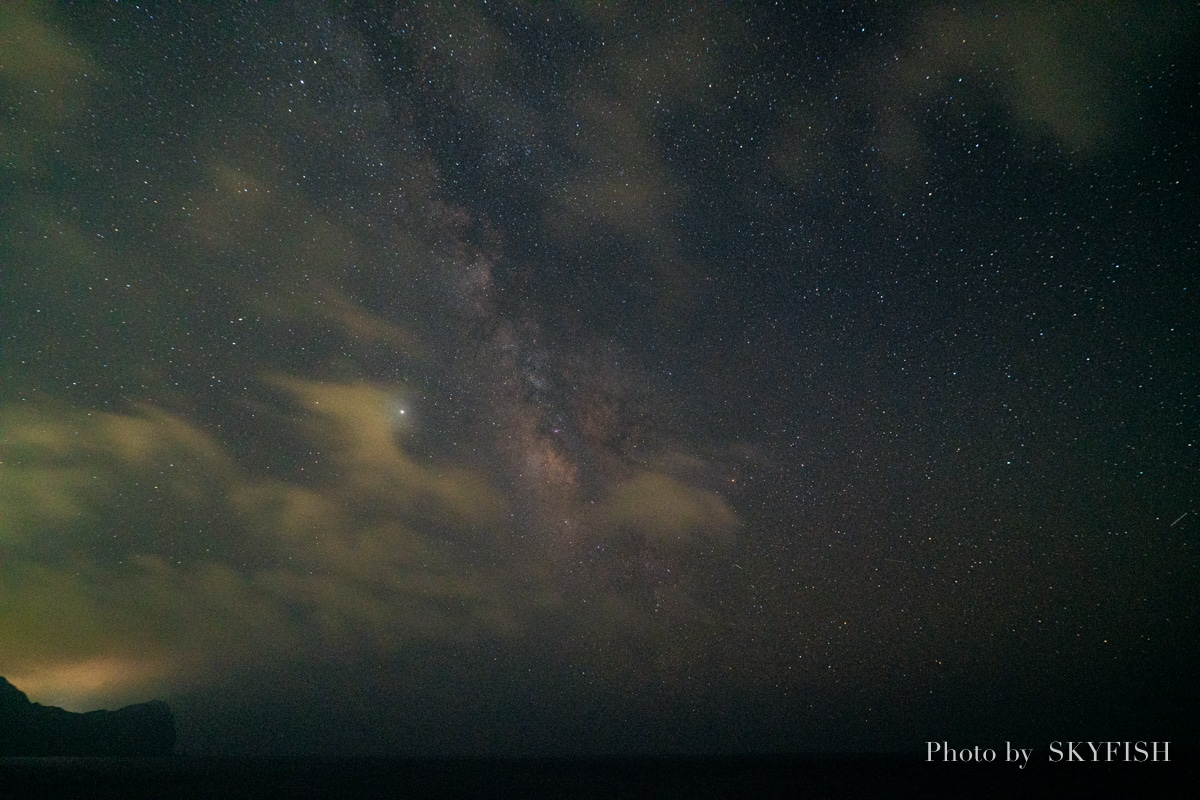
{"type": "Point", "coordinates": [881, 776]}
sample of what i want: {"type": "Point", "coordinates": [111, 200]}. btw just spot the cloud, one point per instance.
{"type": "Point", "coordinates": [667, 513]}
{"type": "Point", "coordinates": [343, 312]}
{"type": "Point", "coordinates": [622, 184]}
{"type": "Point", "coordinates": [1072, 71]}
{"type": "Point", "coordinates": [356, 426]}
{"type": "Point", "coordinates": [67, 469]}
{"type": "Point", "coordinates": [43, 75]}
{"type": "Point", "coordinates": [140, 533]}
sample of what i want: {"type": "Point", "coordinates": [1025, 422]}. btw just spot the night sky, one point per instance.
{"type": "Point", "coordinates": [576, 378]}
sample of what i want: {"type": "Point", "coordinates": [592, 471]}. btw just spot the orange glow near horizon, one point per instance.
{"type": "Point", "coordinates": [89, 685]}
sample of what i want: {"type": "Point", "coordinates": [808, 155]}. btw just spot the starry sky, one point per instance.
{"type": "Point", "coordinates": [489, 378]}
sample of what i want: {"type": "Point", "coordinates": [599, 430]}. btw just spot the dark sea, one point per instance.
{"type": "Point", "coordinates": [878, 776]}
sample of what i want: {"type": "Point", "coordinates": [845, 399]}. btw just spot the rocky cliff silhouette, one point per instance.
{"type": "Point", "coordinates": [32, 729]}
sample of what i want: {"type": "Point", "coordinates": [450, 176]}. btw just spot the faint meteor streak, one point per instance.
{"type": "Point", "coordinates": [1176, 522]}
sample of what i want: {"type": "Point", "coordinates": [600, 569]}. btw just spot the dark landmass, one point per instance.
{"type": "Point", "coordinates": [32, 729]}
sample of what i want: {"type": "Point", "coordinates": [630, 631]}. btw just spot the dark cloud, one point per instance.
{"type": "Point", "coordinates": [1074, 73]}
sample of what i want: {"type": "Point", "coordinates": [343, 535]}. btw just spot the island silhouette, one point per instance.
{"type": "Point", "coordinates": [32, 729]}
